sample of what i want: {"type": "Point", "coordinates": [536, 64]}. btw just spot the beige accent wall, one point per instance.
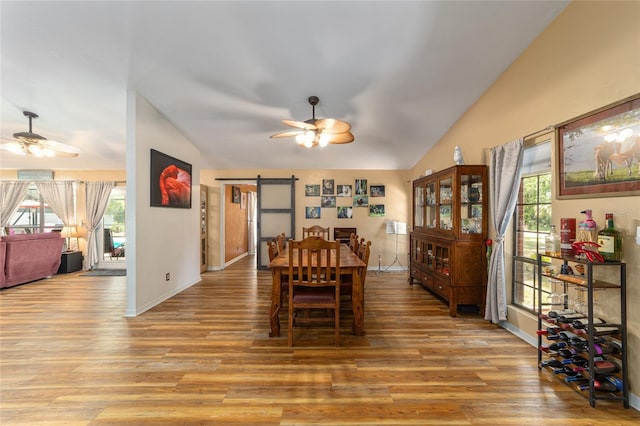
{"type": "Point", "coordinates": [396, 200]}
{"type": "Point", "coordinates": [587, 58]}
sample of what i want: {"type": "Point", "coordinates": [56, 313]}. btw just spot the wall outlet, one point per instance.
{"type": "Point", "coordinates": [167, 276]}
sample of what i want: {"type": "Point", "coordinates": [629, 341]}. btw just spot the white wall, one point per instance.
{"type": "Point", "coordinates": [162, 240]}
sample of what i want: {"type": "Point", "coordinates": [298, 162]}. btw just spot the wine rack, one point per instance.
{"type": "Point", "coordinates": [587, 353]}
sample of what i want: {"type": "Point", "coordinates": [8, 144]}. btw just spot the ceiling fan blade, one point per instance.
{"type": "Point", "coordinates": [332, 125]}
{"type": "Point", "coordinates": [300, 124]}
{"type": "Point", "coordinates": [338, 138]}
{"type": "Point", "coordinates": [287, 134]}
{"type": "Point", "coordinates": [62, 150]}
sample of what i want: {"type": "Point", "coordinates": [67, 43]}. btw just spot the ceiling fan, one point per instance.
{"type": "Point", "coordinates": [29, 143]}
{"type": "Point", "coordinates": [318, 131]}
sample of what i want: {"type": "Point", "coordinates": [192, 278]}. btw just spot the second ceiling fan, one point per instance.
{"type": "Point", "coordinates": [318, 131]}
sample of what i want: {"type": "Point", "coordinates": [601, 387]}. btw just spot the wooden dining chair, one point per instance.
{"type": "Point", "coordinates": [281, 240]}
{"type": "Point", "coordinates": [315, 231]}
{"type": "Point", "coordinates": [346, 284]}
{"type": "Point", "coordinates": [272, 248]}
{"type": "Point", "coordinates": [313, 282]}
{"type": "Point", "coordinates": [353, 238]}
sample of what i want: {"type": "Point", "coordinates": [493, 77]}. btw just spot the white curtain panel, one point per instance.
{"type": "Point", "coordinates": [504, 184]}
{"type": "Point", "coordinates": [11, 195]}
{"type": "Point", "coordinates": [97, 194]}
{"type": "Point", "coordinates": [59, 197]}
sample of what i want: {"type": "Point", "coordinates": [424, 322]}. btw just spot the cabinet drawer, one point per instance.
{"type": "Point", "coordinates": [442, 288]}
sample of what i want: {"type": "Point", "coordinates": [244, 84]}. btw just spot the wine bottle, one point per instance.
{"type": "Point", "coordinates": [553, 347]}
{"type": "Point", "coordinates": [550, 333]}
{"type": "Point", "coordinates": [605, 329]}
{"type": "Point", "coordinates": [610, 240]}
{"type": "Point", "coordinates": [605, 348]}
{"type": "Point", "coordinates": [552, 243]}
{"type": "Point", "coordinates": [584, 322]}
{"type": "Point", "coordinates": [600, 385]}
{"type": "Point", "coordinates": [617, 381]}
{"type": "Point", "coordinates": [556, 314]}
{"type": "Point", "coordinates": [569, 318]}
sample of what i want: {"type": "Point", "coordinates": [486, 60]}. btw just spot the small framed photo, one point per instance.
{"type": "Point", "coordinates": [328, 201]}
{"type": "Point", "coordinates": [345, 212]}
{"type": "Point", "coordinates": [376, 210]}
{"type": "Point", "coordinates": [236, 195]}
{"type": "Point", "coordinates": [344, 191]}
{"type": "Point", "coordinates": [312, 212]}
{"type": "Point", "coordinates": [360, 200]}
{"type": "Point", "coordinates": [328, 187]}
{"type": "Point", "coordinates": [312, 190]}
{"type": "Point", "coordinates": [476, 210]}
{"type": "Point", "coordinates": [377, 190]}
{"type": "Point", "coordinates": [361, 187]}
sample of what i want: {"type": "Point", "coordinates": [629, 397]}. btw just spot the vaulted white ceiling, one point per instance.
{"type": "Point", "coordinates": [226, 72]}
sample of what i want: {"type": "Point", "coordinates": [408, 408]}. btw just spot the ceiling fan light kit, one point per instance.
{"type": "Point", "coordinates": [318, 132]}
{"type": "Point", "coordinates": [34, 144]}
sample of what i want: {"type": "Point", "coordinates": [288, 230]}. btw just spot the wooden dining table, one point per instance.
{"type": "Point", "coordinates": [350, 264]}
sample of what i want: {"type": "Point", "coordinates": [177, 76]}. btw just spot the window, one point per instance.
{"type": "Point", "coordinates": [113, 224]}
{"type": "Point", "coordinates": [33, 215]}
{"type": "Point", "coordinates": [532, 220]}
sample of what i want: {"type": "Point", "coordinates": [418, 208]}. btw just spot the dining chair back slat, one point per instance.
{"type": "Point", "coordinates": [314, 281]}
{"type": "Point", "coordinates": [315, 231]}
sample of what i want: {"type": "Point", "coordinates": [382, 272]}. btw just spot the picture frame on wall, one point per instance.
{"type": "Point", "coordinates": [312, 190]}
{"type": "Point", "coordinates": [361, 187]}
{"type": "Point", "coordinates": [344, 191]}
{"type": "Point", "coordinates": [377, 190]}
{"type": "Point", "coordinates": [236, 195]}
{"type": "Point", "coordinates": [328, 201]}
{"type": "Point", "coordinates": [170, 181]}
{"type": "Point", "coordinates": [345, 212]}
{"type": "Point", "coordinates": [361, 201]}
{"type": "Point", "coordinates": [376, 210]}
{"type": "Point", "coordinates": [599, 152]}
{"type": "Point", "coordinates": [328, 187]}
{"type": "Point", "coordinates": [312, 212]}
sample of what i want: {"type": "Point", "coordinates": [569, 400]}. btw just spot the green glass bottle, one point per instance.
{"type": "Point", "coordinates": [610, 240]}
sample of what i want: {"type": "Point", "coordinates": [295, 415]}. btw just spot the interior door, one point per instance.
{"type": "Point", "coordinates": [275, 213]}
{"type": "Point", "coordinates": [204, 225]}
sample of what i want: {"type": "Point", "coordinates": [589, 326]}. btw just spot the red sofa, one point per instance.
{"type": "Point", "coordinates": [29, 257]}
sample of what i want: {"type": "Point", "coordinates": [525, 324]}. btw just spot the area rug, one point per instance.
{"type": "Point", "coordinates": [105, 273]}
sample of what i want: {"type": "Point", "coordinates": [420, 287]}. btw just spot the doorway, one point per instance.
{"type": "Point", "coordinates": [113, 231]}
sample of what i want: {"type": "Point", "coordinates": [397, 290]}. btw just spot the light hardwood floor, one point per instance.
{"type": "Point", "coordinates": [69, 357]}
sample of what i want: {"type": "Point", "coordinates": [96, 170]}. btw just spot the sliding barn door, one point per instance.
{"type": "Point", "coordinates": [276, 213]}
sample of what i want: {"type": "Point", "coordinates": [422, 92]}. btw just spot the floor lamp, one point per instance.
{"type": "Point", "coordinates": [397, 228]}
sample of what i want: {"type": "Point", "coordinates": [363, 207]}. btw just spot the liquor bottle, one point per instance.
{"type": "Point", "coordinates": [610, 240]}
{"type": "Point", "coordinates": [552, 243]}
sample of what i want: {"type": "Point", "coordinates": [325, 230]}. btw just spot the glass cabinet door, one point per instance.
{"type": "Point", "coordinates": [471, 204]}
{"type": "Point", "coordinates": [446, 194]}
{"type": "Point", "coordinates": [430, 208]}
{"type": "Point", "coordinates": [418, 214]}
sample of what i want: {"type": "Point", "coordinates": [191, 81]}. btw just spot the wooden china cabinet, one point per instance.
{"type": "Point", "coordinates": [448, 241]}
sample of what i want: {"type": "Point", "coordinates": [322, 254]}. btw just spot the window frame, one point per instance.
{"type": "Point", "coordinates": [42, 209]}
{"type": "Point", "coordinates": [524, 267]}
